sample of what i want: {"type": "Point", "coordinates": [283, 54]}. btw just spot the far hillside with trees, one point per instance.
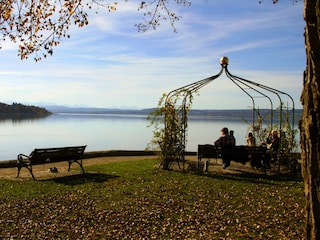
{"type": "Point", "coordinates": [18, 110]}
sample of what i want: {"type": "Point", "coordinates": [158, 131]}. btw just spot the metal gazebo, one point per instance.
{"type": "Point", "coordinates": [184, 94]}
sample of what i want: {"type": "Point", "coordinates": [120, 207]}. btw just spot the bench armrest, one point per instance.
{"type": "Point", "coordinates": [23, 158]}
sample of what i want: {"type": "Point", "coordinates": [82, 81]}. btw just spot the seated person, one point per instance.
{"type": "Point", "coordinates": [273, 141]}
{"type": "Point", "coordinates": [231, 133]}
{"type": "Point", "coordinates": [273, 147]}
{"type": "Point", "coordinates": [251, 140]}
{"type": "Point", "coordinates": [225, 140]}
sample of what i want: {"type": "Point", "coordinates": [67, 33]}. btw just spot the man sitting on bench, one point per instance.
{"type": "Point", "coordinates": [225, 141]}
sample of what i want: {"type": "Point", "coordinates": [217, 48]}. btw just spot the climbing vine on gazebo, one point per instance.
{"type": "Point", "coordinates": [170, 123]}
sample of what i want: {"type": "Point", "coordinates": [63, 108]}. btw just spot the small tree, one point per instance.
{"type": "Point", "coordinates": [169, 121]}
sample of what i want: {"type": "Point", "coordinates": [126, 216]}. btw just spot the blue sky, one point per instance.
{"type": "Point", "coordinates": [110, 64]}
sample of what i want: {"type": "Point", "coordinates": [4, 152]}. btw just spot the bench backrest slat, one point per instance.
{"type": "Point", "coordinates": [237, 152]}
{"type": "Point", "coordinates": [208, 151]}
{"type": "Point", "coordinates": [43, 155]}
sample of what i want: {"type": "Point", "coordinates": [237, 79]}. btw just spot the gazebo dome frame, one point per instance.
{"type": "Point", "coordinates": [248, 87]}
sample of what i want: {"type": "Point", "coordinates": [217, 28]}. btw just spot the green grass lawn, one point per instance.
{"type": "Point", "coordinates": [137, 200]}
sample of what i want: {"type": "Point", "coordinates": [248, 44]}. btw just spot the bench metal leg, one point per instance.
{"type": "Point", "coordinates": [29, 169]}
{"type": "Point", "coordinates": [19, 168]}
{"type": "Point", "coordinates": [206, 166]}
{"type": "Point", "coordinates": [76, 161]}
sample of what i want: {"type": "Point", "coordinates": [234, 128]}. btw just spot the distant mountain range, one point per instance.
{"type": "Point", "coordinates": [94, 110]}
{"type": "Point", "coordinates": [242, 114]}
{"type": "Point", "coordinates": [20, 110]}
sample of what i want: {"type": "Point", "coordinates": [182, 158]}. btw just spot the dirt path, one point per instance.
{"type": "Point", "coordinates": [41, 171]}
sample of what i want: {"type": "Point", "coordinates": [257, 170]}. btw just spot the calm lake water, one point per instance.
{"type": "Point", "coordinates": [101, 132]}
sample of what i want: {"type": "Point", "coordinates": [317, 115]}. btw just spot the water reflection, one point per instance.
{"type": "Point", "coordinates": [20, 118]}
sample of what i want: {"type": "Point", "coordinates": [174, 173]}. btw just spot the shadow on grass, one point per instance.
{"type": "Point", "coordinates": [256, 177]}
{"type": "Point", "coordinates": [82, 178]}
{"type": "Point", "coordinates": [246, 174]}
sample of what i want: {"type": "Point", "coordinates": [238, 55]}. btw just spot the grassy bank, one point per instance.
{"type": "Point", "coordinates": [137, 200]}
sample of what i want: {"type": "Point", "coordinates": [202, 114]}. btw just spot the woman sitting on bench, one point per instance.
{"type": "Point", "coordinates": [273, 146]}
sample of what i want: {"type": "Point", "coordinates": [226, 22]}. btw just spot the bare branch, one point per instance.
{"type": "Point", "coordinates": [157, 11]}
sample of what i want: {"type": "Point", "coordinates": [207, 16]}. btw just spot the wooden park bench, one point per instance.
{"type": "Point", "coordinates": [243, 154]}
{"type": "Point", "coordinates": [50, 155]}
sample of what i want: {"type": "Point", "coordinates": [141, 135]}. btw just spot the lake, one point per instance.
{"type": "Point", "coordinates": [102, 132]}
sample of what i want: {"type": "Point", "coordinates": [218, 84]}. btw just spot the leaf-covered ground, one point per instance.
{"type": "Point", "coordinates": [135, 200]}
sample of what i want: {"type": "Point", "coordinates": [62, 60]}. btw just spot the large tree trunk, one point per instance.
{"type": "Point", "coordinates": [310, 124]}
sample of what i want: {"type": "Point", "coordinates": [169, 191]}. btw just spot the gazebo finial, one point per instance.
{"type": "Point", "coordinates": [224, 61]}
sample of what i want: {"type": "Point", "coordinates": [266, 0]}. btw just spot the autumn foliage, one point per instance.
{"type": "Point", "coordinates": [36, 27]}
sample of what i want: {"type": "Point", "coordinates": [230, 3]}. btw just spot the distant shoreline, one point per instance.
{"type": "Point", "coordinates": [194, 114]}
{"type": "Point", "coordinates": [147, 111]}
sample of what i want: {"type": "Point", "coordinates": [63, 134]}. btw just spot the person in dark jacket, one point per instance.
{"type": "Point", "coordinates": [225, 141]}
